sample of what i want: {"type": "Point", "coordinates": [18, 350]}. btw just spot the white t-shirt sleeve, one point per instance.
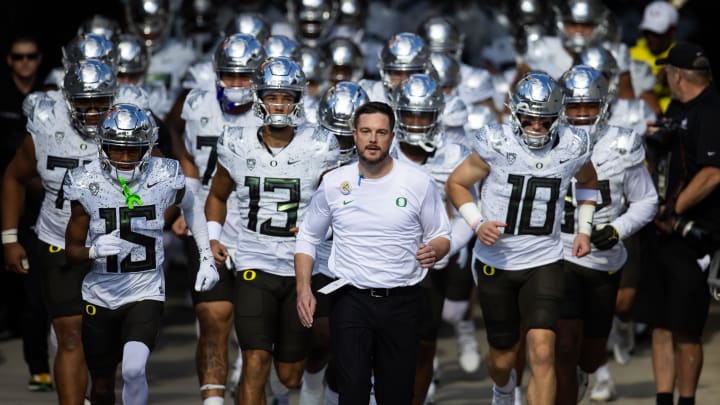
{"type": "Point", "coordinates": [433, 216]}
{"type": "Point", "coordinates": [642, 196]}
{"type": "Point", "coordinates": [314, 227]}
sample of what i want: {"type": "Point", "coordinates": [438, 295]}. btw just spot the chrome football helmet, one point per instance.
{"type": "Point", "coordinates": [88, 87]}
{"type": "Point", "coordinates": [237, 54]}
{"type": "Point", "coordinates": [281, 45]}
{"type": "Point", "coordinates": [151, 19]}
{"type": "Point", "coordinates": [313, 62]}
{"type": "Point", "coordinates": [335, 113]}
{"type": "Point", "coordinates": [101, 25]}
{"type": "Point", "coordinates": [90, 46]}
{"type": "Point", "coordinates": [249, 23]}
{"type": "Point", "coordinates": [441, 34]}
{"type": "Point", "coordinates": [419, 102]}
{"type": "Point", "coordinates": [133, 57]}
{"type": "Point", "coordinates": [586, 12]}
{"type": "Point", "coordinates": [346, 60]}
{"type": "Point", "coordinates": [312, 19]}
{"type": "Point", "coordinates": [404, 52]}
{"type": "Point", "coordinates": [585, 85]}
{"type": "Point", "coordinates": [352, 13]}
{"type": "Point", "coordinates": [279, 74]}
{"type": "Point", "coordinates": [602, 60]}
{"type": "Point", "coordinates": [536, 101]}
{"type": "Point", "coordinates": [126, 126]}
{"type": "Point", "coordinates": [448, 71]}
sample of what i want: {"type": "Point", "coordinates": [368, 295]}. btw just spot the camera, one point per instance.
{"type": "Point", "coordinates": [693, 232]}
{"type": "Point", "coordinates": [667, 128]}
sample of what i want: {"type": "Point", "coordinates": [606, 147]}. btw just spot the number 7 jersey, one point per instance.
{"type": "Point", "coordinates": [273, 191]}
{"type": "Point", "coordinates": [525, 189]}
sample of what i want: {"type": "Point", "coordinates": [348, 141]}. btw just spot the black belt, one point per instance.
{"type": "Point", "coordinates": [384, 292]}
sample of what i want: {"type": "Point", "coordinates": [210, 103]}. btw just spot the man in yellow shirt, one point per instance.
{"type": "Point", "coordinates": [658, 26]}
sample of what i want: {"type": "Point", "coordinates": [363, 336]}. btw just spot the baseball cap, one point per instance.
{"type": "Point", "coordinates": [685, 55]}
{"type": "Point", "coordinates": [659, 16]}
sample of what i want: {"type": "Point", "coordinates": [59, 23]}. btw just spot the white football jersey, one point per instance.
{"type": "Point", "coordinates": [200, 74]}
{"type": "Point", "coordinates": [634, 114]}
{"type": "Point", "coordinates": [204, 122]}
{"type": "Point", "coordinates": [136, 273]}
{"type": "Point", "coordinates": [525, 189]}
{"type": "Point", "coordinates": [375, 90]}
{"type": "Point", "coordinates": [132, 94]}
{"type": "Point", "coordinates": [538, 56]}
{"type": "Point", "coordinates": [273, 190]}
{"type": "Point", "coordinates": [476, 84]}
{"type": "Point", "coordinates": [623, 180]}
{"type": "Point", "coordinates": [58, 148]}
{"type": "Point", "coordinates": [455, 113]}
{"type": "Point", "coordinates": [168, 66]}
{"type": "Point", "coordinates": [642, 77]}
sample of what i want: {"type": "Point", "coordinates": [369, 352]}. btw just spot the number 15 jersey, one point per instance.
{"type": "Point", "coordinates": [273, 191]}
{"type": "Point", "coordinates": [525, 189]}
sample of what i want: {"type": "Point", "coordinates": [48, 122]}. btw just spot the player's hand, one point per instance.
{"type": "Point", "coordinates": [106, 245]}
{"type": "Point", "coordinates": [219, 251]}
{"type": "Point", "coordinates": [207, 276]}
{"type": "Point", "coordinates": [306, 303]}
{"type": "Point", "coordinates": [179, 227]}
{"type": "Point", "coordinates": [16, 258]}
{"type": "Point", "coordinates": [426, 256]}
{"type": "Point", "coordinates": [581, 245]}
{"type": "Point", "coordinates": [489, 232]}
{"type": "Point", "coordinates": [604, 236]}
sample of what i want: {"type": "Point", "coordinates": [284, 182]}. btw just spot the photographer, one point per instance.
{"type": "Point", "coordinates": [687, 224]}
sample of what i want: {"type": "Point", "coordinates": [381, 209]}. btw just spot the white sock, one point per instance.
{"type": "Point", "coordinates": [311, 392]}
{"type": "Point", "coordinates": [510, 385]}
{"type": "Point", "coordinates": [603, 372]}
{"type": "Point", "coordinates": [454, 311]}
{"type": "Point", "coordinates": [135, 386]}
{"type": "Point", "coordinates": [214, 401]}
{"type": "Point", "coordinates": [331, 397]}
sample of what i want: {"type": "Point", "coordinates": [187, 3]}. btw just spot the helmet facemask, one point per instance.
{"type": "Point", "coordinates": [86, 113]}
{"type": "Point", "coordinates": [234, 97]}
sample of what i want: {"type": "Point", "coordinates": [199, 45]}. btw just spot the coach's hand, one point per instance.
{"type": "Point", "coordinates": [306, 303]}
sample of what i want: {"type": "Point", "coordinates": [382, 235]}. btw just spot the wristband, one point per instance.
{"type": "Point", "coordinates": [586, 194]}
{"type": "Point", "coordinates": [214, 230]}
{"type": "Point", "coordinates": [472, 215]}
{"type": "Point", "coordinates": [9, 236]}
{"type": "Point", "coordinates": [193, 185]}
{"type": "Point", "coordinates": [585, 216]}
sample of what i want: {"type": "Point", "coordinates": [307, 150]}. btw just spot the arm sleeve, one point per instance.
{"type": "Point", "coordinates": [642, 198]}
{"type": "Point", "coordinates": [314, 227]}
{"type": "Point", "coordinates": [195, 218]}
{"type": "Point", "coordinates": [433, 217]}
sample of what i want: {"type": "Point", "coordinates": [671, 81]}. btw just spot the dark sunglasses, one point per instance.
{"type": "Point", "coordinates": [20, 56]}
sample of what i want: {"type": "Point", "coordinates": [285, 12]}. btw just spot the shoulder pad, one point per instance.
{"type": "Point", "coordinates": [131, 94]}
{"type": "Point", "coordinates": [40, 103]}
{"type": "Point", "coordinates": [195, 98]}
{"type": "Point", "coordinates": [629, 145]}
{"type": "Point", "coordinates": [574, 139]}
{"type": "Point", "coordinates": [162, 169]}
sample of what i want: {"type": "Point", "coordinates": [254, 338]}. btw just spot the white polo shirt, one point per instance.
{"type": "Point", "coordinates": [378, 224]}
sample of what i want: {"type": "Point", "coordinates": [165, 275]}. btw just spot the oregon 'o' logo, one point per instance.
{"type": "Point", "coordinates": [90, 309]}
{"type": "Point", "coordinates": [488, 270]}
{"type": "Point", "coordinates": [401, 202]}
{"type": "Point", "coordinates": [249, 275]}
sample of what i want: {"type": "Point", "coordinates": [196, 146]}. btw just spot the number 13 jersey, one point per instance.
{"type": "Point", "coordinates": [273, 191]}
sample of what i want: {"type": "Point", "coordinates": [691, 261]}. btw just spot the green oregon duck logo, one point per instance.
{"type": "Point", "coordinates": [401, 202]}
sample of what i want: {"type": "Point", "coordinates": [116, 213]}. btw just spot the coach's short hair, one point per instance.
{"type": "Point", "coordinates": [372, 108]}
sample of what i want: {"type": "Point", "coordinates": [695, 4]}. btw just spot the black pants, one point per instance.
{"type": "Point", "coordinates": [376, 335]}
{"type": "Point", "coordinates": [35, 321]}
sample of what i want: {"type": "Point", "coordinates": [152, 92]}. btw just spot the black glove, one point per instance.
{"type": "Point", "coordinates": [604, 236]}
{"type": "Point", "coordinates": [693, 232]}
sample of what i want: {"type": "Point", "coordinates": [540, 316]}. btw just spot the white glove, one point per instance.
{"type": "Point", "coordinates": [106, 245]}
{"type": "Point", "coordinates": [207, 276]}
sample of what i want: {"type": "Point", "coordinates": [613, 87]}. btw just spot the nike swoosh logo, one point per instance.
{"type": "Point", "coordinates": [292, 162]}
{"type": "Point", "coordinates": [153, 184]}
{"type": "Point", "coordinates": [346, 202]}
{"type": "Point", "coordinates": [563, 161]}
